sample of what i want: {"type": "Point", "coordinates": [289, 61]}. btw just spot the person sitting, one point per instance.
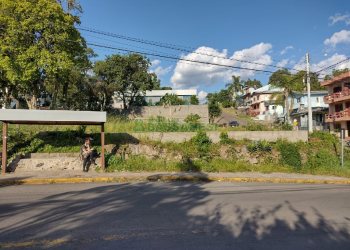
{"type": "Point", "coordinates": [87, 154]}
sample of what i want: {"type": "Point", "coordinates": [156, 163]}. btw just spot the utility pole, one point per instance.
{"type": "Point", "coordinates": [309, 108]}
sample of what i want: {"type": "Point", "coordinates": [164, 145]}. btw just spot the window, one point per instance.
{"type": "Point", "coordinates": [298, 99]}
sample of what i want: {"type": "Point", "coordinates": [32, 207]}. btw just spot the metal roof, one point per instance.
{"type": "Point", "coordinates": [64, 117]}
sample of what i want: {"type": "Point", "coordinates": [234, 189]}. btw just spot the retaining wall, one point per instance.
{"type": "Point", "coordinates": [179, 112]}
{"type": "Point", "coordinates": [292, 136]}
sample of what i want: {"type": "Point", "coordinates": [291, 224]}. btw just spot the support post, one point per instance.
{"type": "Point", "coordinates": [103, 146]}
{"type": "Point", "coordinates": [4, 147]}
{"type": "Point", "coordinates": [309, 108]}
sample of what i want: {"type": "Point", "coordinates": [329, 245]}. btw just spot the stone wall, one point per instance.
{"type": "Point", "coordinates": [179, 112]}
{"type": "Point", "coordinates": [292, 136]}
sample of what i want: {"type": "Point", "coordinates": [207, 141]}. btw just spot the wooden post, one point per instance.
{"type": "Point", "coordinates": [103, 146]}
{"type": "Point", "coordinates": [4, 147]}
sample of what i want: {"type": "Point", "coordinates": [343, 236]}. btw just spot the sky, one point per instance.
{"type": "Point", "coordinates": [270, 32]}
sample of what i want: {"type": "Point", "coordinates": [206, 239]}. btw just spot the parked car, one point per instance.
{"type": "Point", "coordinates": [233, 124]}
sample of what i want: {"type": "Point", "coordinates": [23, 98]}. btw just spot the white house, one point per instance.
{"type": "Point", "coordinates": [151, 97]}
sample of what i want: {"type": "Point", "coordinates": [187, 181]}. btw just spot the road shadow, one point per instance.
{"type": "Point", "coordinates": [163, 216]}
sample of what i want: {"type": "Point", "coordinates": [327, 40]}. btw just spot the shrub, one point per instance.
{"type": "Point", "coordinates": [193, 121]}
{"type": "Point", "coordinates": [290, 154]}
{"type": "Point", "coordinates": [259, 146]}
{"type": "Point", "coordinates": [286, 126]}
{"type": "Point", "coordinates": [224, 139]}
{"type": "Point", "coordinates": [252, 126]}
{"type": "Point", "coordinates": [322, 159]}
{"type": "Point", "coordinates": [202, 143]}
{"type": "Point", "coordinates": [325, 137]}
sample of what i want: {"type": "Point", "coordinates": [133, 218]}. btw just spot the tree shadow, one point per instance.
{"type": "Point", "coordinates": [163, 216]}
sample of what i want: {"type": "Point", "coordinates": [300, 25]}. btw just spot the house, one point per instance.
{"type": "Point", "coordinates": [338, 99]}
{"type": "Point", "coordinates": [299, 109]}
{"type": "Point", "coordinates": [152, 97]}
{"type": "Point", "coordinates": [263, 104]}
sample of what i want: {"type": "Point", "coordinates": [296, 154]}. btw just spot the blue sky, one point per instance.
{"type": "Point", "coordinates": [267, 32]}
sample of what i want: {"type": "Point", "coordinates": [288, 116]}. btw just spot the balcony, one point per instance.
{"type": "Point", "coordinates": [338, 116]}
{"type": "Point", "coordinates": [338, 96]}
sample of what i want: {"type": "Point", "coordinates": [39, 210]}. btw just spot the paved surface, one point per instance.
{"type": "Point", "coordinates": [179, 215]}
{"type": "Point", "coordinates": [144, 175]}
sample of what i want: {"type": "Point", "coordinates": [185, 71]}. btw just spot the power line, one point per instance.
{"type": "Point", "coordinates": [178, 58]}
{"type": "Point", "coordinates": [174, 47]}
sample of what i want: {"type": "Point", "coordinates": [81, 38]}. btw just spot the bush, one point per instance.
{"type": "Point", "coordinates": [252, 126]}
{"type": "Point", "coordinates": [259, 146]}
{"type": "Point", "coordinates": [224, 139]}
{"type": "Point", "coordinates": [202, 143]}
{"type": "Point", "coordinates": [193, 121]}
{"type": "Point", "coordinates": [325, 137]}
{"type": "Point", "coordinates": [289, 154]}
{"type": "Point", "coordinates": [322, 159]}
{"type": "Point", "coordinates": [286, 126]}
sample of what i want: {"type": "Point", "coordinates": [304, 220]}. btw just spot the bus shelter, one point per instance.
{"type": "Point", "coordinates": [50, 117]}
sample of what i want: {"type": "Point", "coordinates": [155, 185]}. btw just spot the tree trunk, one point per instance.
{"type": "Point", "coordinates": [286, 95]}
{"type": "Point", "coordinates": [31, 102]}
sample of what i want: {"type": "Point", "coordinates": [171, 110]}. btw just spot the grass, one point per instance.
{"type": "Point", "coordinates": [318, 156]}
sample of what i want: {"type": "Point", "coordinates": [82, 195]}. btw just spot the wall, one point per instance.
{"type": "Point", "coordinates": [179, 112]}
{"type": "Point", "coordinates": [292, 136]}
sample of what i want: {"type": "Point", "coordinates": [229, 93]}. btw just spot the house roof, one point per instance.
{"type": "Point", "coordinates": [63, 117]}
{"type": "Point", "coordinates": [267, 89]}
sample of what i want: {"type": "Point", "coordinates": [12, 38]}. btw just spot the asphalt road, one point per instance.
{"type": "Point", "coordinates": [175, 216]}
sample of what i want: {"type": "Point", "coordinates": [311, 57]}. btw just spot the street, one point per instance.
{"type": "Point", "coordinates": [177, 215]}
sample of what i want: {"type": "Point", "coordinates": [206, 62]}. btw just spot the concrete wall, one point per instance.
{"type": "Point", "coordinates": [179, 112]}
{"type": "Point", "coordinates": [292, 136]}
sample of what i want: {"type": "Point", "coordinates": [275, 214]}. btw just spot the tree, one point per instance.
{"type": "Point", "coordinates": [214, 110]}
{"type": "Point", "coordinates": [126, 77]}
{"type": "Point", "coordinates": [252, 83]}
{"type": "Point", "coordinates": [38, 45]}
{"type": "Point", "coordinates": [235, 87]}
{"type": "Point", "coordinates": [336, 72]}
{"type": "Point", "coordinates": [194, 100]}
{"type": "Point", "coordinates": [288, 83]}
{"type": "Point", "coordinates": [171, 99]}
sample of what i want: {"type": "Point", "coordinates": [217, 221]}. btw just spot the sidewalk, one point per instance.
{"type": "Point", "coordinates": [51, 177]}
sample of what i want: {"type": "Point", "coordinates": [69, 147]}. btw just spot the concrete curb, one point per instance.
{"type": "Point", "coordinates": [166, 178]}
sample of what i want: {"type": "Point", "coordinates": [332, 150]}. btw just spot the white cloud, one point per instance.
{"type": "Point", "coordinates": [340, 18]}
{"type": "Point", "coordinates": [187, 74]}
{"type": "Point", "coordinates": [202, 95]}
{"type": "Point", "coordinates": [301, 65]}
{"type": "Point", "coordinates": [282, 63]}
{"type": "Point", "coordinates": [159, 70]}
{"type": "Point", "coordinates": [342, 36]}
{"type": "Point", "coordinates": [155, 63]}
{"type": "Point", "coordinates": [286, 49]}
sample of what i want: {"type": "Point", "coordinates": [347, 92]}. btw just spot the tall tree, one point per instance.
{"type": "Point", "coordinates": [288, 83]}
{"type": "Point", "coordinates": [126, 76]}
{"type": "Point", "coordinates": [252, 83]}
{"type": "Point", "coordinates": [38, 45]}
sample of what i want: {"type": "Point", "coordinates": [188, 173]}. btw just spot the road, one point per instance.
{"type": "Point", "coordinates": [175, 216]}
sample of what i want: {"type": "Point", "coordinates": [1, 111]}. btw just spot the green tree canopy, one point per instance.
{"type": "Point", "coordinates": [126, 76]}
{"type": "Point", "coordinates": [194, 100]}
{"type": "Point", "coordinates": [38, 45]}
{"type": "Point", "coordinates": [171, 99]}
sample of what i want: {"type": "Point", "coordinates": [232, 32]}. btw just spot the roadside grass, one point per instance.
{"type": "Point", "coordinates": [321, 155]}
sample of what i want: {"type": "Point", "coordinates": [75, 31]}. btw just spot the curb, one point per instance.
{"type": "Point", "coordinates": [166, 178]}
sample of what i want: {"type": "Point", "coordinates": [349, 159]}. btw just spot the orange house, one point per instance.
{"type": "Point", "coordinates": [338, 99]}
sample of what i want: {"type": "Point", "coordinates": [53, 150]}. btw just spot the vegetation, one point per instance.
{"type": "Point", "coordinates": [126, 76]}
{"type": "Point", "coordinates": [171, 99]}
